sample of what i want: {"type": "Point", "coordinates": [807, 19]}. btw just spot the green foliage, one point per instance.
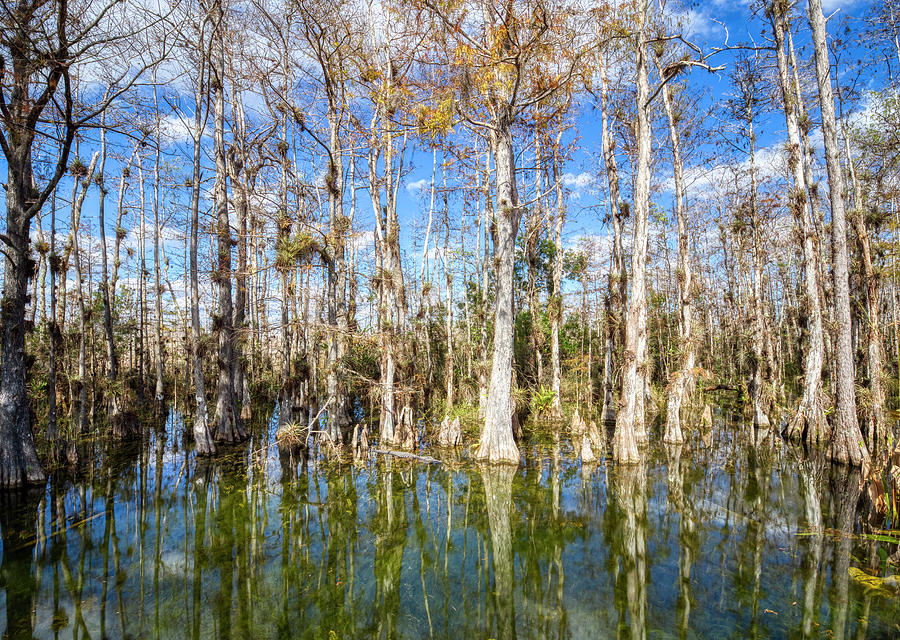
{"type": "Point", "coordinates": [291, 251]}
{"type": "Point", "coordinates": [541, 400]}
{"type": "Point", "coordinates": [575, 264]}
{"type": "Point", "coordinates": [362, 365]}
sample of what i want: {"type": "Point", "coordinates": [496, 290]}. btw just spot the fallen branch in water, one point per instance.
{"type": "Point", "coordinates": [409, 456]}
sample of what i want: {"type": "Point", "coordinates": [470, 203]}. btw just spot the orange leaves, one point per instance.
{"type": "Point", "coordinates": [435, 120]}
{"type": "Point", "coordinates": [464, 55]}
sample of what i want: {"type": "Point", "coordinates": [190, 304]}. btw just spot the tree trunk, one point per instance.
{"type": "Point", "coordinates": [497, 442]}
{"type": "Point", "coordinates": [847, 445]}
{"type": "Point", "coordinates": [682, 380]}
{"type": "Point", "coordinates": [533, 233]}
{"type": "Point", "coordinates": [108, 296]}
{"type": "Point", "coordinates": [878, 432]}
{"type": "Point", "coordinates": [241, 181]}
{"type": "Point", "coordinates": [448, 281]}
{"type": "Point", "coordinates": [617, 285]}
{"type": "Point", "coordinates": [389, 426]}
{"type": "Point", "coordinates": [760, 415]}
{"type": "Point", "coordinates": [141, 289]}
{"type": "Point", "coordinates": [338, 403]}
{"type": "Point", "coordinates": [203, 437]}
{"type": "Point", "coordinates": [483, 277]}
{"type": "Point", "coordinates": [52, 428]}
{"type": "Point", "coordinates": [228, 425]}
{"type": "Point", "coordinates": [79, 289]}
{"type": "Point", "coordinates": [809, 422]}
{"type": "Point", "coordinates": [18, 459]}
{"type": "Point", "coordinates": [630, 418]}
{"type": "Point", "coordinates": [159, 394]}
{"type": "Point", "coordinates": [555, 309]}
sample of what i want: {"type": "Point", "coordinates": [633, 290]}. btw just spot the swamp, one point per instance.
{"type": "Point", "coordinates": [450, 319]}
{"type": "Point", "coordinates": [716, 538]}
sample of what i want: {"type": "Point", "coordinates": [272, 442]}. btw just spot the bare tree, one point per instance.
{"type": "Point", "coordinates": [847, 444]}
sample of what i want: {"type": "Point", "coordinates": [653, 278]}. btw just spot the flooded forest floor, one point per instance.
{"type": "Point", "coordinates": [716, 538]}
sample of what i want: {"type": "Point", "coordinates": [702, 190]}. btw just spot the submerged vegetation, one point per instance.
{"type": "Point", "coordinates": [271, 252]}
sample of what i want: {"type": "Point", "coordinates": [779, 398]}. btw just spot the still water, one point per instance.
{"type": "Point", "coordinates": [715, 539]}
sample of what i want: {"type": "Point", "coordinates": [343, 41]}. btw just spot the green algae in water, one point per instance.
{"type": "Point", "coordinates": [721, 541]}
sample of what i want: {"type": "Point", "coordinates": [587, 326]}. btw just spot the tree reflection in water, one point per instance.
{"type": "Point", "coordinates": [629, 544]}
{"type": "Point", "coordinates": [18, 521]}
{"type": "Point", "coordinates": [498, 481]}
{"type": "Point", "coordinates": [724, 539]}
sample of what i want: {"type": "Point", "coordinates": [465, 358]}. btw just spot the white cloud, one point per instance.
{"type": "Point", "coordinates": [418, 185]}
{"type": "Point", "coordinates": [699, 24]}
{"type": "Point", "coordinates": [581, 181]}
{"type": "Point", "coordinates": [177, 130]}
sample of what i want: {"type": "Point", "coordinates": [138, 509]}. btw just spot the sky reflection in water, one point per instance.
{"type": "Point", "coordinates": [700, 541]}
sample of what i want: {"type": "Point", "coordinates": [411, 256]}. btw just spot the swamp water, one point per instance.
{"type": "Point", "coordinates": [717, 540]}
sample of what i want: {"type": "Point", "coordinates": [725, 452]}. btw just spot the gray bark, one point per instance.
{"type": "Point", "coordinates": [760, 416]}
{"type": "Point", "coordinates": [617, 285]}
{"type": "Point", "coordinates": [809, 422]}
{"type": "Point", "coordinates": [108, 296]}
{"type": "Point", "coordinates": [847, 445]}
{"type": "Point", "coordinates": [630, 418]}
{"type": "Point", "coordinates": [682, 382]}
{"type": "Point", "coordinates": [159, 394]}
{"type": "Point", "coordinates": [203, 437]}
{"type": "Point", "coordinates": [77, 206]}
{"type": "Point", "coordinates": [228, 425]}
{"type": "Point", "coordinates": [497, 442]}
{"type": "Point", "coordinates": [555, 310]}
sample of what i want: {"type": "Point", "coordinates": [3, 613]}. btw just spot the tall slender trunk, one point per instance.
{"type": "Point", "coordinates": [39, 283]}
{"type": "Point", "coordinates": [877, 433]}
{"type": "Point", "coordinates": [630, 419]}
{"type": "Point", "coordinates": [555, 310]}
{"type": "Point", "coordinates": [203, 437]}
{"type": "Point", "coordinates": [533, 233]}
{"type": "Point", "coordinates": [760, 378]}
{"type": "Point", "coordinates": [241, 180]}
{"type": "Point", "coordinates": [142, 288]}
{"type": "Point", "coordinates": [682, 380]}
{"type": "Point", "coordinates": [338, 402]}
{"type": "Point", "coordinates": [847, 445]}
{"type": "Point", "coordinates": [812, 191]}
{"type": "Point", "coordinates": [52, 428]}
{"type": "Point", "coordinates": [77, 205]}
{"type": "Point", "coordinates": [617, 290]}
{"type": "Point", "coordinates": [108, 296]}
{"type": "Point", "coordinates": [400, 310]}
{"type": "Point", "coordinates": [448, 281]}
{"type": "Point", "coordinates": [809, 422]}
{"type": "Point", "coordinates": [397, 425]}
{"type": "Point", "coordinates": [388, 430]}
{"type": "Point", "coordinates": [157, 293]}
{"type": "Point", "coordinates": [497, 442]}
{"type": "Point", "coordinates": [228, 425]}
{"type": "Point", "coordinates": [487, 219]}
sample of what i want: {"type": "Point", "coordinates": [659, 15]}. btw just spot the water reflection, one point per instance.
{"type": "Point", "coordinates": [629, 543]}
{"type": "Point", "coordinates": [724, 540]}
{"type": "Point", "coordinates": [18, 520]}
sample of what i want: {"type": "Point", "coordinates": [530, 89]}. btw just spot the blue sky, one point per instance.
{"type": "Point", "coordinates": [707, 24]}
